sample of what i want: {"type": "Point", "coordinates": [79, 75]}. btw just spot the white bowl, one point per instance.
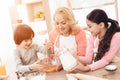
{"type": "Point", "coordinates": [111, 67]}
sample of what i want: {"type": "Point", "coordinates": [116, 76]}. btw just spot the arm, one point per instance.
{"type": "Point", "coordinates": [52, 36]}
{"type": "Point", "coordinates": [43, 49]}
{"type": "Point", "coordinates": [114, 48]}
{"type": "Point", "coordinates": [19, 64]}
{"type": "Point", "coordinates": [27, 61]}
{"type": "Point", "coordinates": [87, 59]}
{"type": "Point", "coordinates": [81, 43]}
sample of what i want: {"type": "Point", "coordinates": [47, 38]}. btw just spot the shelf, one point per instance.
{"type": "Point", "coordinates": [33, 11]}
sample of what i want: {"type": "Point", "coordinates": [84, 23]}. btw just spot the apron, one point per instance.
{"type": "Point", "coordinates": [68, 43]}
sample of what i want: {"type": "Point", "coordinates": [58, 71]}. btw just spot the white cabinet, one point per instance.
{"type": "Point", "coordinates": [31, 10]}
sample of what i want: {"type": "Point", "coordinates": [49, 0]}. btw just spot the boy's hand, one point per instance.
{"type": "Point", "coordinates": [36, 66]}
{"type": "Point", "coordinates": [47, 44]}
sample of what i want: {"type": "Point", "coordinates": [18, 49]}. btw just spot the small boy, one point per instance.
{"type": "Point", "coordinates": [26, 51]}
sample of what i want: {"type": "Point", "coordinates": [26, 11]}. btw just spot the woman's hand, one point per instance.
{"type": "Point", "coordinates": [79, 67]}
{"type": "Point", "coordinates": [74, 69]}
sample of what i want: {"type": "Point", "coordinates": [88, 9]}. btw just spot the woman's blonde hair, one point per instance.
{"type": "Point", "coordinates": [69, 16]}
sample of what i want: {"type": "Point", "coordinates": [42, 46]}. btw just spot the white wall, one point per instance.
{"type": "Point", "coordinates": [54, 4]}
{"type": "Point", "coordinates": [80, 14]}
{"type": "Point", "coordinates": [6, 39]}
{"type": "Point", "coordinates": [119, 10]}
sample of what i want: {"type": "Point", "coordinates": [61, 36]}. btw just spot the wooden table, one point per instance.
{"type": "Point", "coordinates": [57, 75]}
{"type": "Point", "coordinates": [99, 73]}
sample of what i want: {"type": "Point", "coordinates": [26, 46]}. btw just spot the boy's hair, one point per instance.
{"type": "Point", "coordinates": [22, 32]}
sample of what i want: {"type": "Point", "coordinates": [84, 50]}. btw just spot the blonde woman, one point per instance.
{"type": "Point", "coordinates": [67, 34]}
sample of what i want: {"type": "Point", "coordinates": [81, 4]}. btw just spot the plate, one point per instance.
{"type": "Point", "coordinates": [111, 67]}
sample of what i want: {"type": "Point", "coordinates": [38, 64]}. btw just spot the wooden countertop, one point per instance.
{"type": "Point", "coordinates": [61, 75]}
{"type": "Point", "coordinates": [57, 75]}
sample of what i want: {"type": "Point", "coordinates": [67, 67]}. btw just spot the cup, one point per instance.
{"type": "Point", "coordinates": [2, 70]}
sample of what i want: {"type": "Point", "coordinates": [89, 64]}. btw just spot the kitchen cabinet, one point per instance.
{"type": "Point", "coordinates": [30, 11]}
{"type": "Point", "coordinates": [34, 10]}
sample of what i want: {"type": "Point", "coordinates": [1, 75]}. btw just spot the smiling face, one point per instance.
{"type": "Point", "coordinates": [62, 24]}
{"type": "Point", "coordinates": [26, 44]}
{"type": "Point", "coordinates": [94, 28]}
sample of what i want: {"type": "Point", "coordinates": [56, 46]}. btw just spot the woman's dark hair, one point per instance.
{"type": "Point", "coordinates": [98, 16]}
{"type": "Point", "coordinates": [22, 32]}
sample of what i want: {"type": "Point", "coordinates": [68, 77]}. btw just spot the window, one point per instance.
{"type": "Point", "coordinates": [85, 6]}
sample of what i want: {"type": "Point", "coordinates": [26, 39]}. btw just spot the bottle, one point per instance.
{"type": "Point", "coordinates": [67, 59]}
{"type": "Point", "coordinates": [2, 68]}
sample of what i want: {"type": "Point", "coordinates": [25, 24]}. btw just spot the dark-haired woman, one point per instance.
{"type": "Point", "coordinates": [104, 44]}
